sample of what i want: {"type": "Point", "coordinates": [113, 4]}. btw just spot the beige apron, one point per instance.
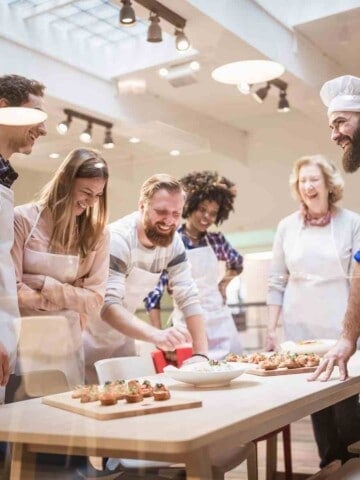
{"type": "Point", "coordinates": [63, 268]}
{"type": "Point", "coordinates": [103, 341]}
{"type": "Point", "coordinates": [9, 310]}
{"type": "Point", "coordinates": [317, 292]}
{"type": "Point", "coordinates": [221, 332]}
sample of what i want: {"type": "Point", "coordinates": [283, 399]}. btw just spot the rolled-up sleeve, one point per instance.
{"type": "Point", "coordinates": [181, 282]}
{"type": "Point", "coordinates": [279, 274]}
{"type": "Point", "coordinates": [119, 261]}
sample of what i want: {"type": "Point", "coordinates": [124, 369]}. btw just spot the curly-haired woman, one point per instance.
{"type": "Point", "coordinates": [209, 200]}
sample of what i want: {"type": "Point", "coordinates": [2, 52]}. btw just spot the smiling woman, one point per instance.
{"type": "Point", "coordinates": [309, 282]}
{"type": "Point", "coordinates": [61, 248]}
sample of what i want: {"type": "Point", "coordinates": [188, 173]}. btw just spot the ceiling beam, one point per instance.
{"type": "Point", "coordinates": [254, 25]}
{"type": "Point", "coordinates": [51, 5]}
{"type": "Point", "coordinates": [169, 15]}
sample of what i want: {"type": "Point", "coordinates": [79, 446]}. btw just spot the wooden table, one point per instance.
{"type": "Point", "coordinates": [252, 406]}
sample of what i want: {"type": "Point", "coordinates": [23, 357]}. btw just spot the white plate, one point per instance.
{"type": "Point", "coordinates": [198, 374]}
{"type": "Point", "coordinates": [308, 346]}
{"type": "Point", "coordinates": [18, 116]}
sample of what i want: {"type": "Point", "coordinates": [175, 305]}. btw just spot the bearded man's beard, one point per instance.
{"type": "Point", "coordinates": [157, 238]}
{"type": "Point", "coordinates": [351, 156]}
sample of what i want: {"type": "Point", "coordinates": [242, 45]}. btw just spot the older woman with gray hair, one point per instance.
{"type": "Point", "coordinates": [309, 283]}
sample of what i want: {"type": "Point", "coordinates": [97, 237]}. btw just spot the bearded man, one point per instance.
{"type": "Point", "coordinates": [342, 97]}
{"type": "Point", "coordinates": [143, 245]}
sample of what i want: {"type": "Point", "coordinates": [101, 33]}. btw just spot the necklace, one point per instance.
{"type": "Point", "coordinates": [192, 237]}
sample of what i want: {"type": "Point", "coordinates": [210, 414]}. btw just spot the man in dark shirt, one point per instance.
{"type": "Point", "coordinates": [15, 91]}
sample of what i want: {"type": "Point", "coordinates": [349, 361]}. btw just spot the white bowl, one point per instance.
{"type": "Point", "coordinates": [203, 375]}
{"type": "Point", "coordinates": [320, 347]}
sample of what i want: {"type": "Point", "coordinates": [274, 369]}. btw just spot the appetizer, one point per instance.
{"type": "Point", "coordinates": [277, 360]}
{"type": "Point", "coordinates": [160, 392]}
{"type": "Point", "coordinates": [146, 389]}
{"type": "Point", "coordinates": [107, 397]}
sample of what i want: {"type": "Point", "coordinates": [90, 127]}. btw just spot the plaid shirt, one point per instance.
{"type": "Point", "coordinates": [7, 173]}
{"type": "Point", "coordinates": [222, 249]}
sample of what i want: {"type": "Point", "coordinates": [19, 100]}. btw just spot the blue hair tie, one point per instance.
{"type": "Point", "coordinates": [357, 256]}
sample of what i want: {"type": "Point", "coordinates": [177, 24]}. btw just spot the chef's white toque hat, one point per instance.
{"type": "Point", "coordinates": [341, 94]}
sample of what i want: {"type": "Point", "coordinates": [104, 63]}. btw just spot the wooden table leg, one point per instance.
{"type": "Point", "coordinates": [198, 465]}
{"type": "Point", "coordinates": [22, 463]}
{"type": "Point", "coordinates": [271, 457]}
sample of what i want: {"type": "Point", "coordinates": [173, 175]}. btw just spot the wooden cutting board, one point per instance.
{"type": "Point", "coordinates": [279, 371]}
{"type": "Point", "coordinates": [122, 409]}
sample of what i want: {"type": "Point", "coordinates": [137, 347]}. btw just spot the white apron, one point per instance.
{"type": "Point", "coordinates": [103, 341]}
{"type": "Point", "coordinates": [9, 310]}
{"type": "Point", "coordinates": [317, 292]}
{"type": "Point", "coordinates": [63, 268]}
{"type": "Point", "coordinates": [219, 325]}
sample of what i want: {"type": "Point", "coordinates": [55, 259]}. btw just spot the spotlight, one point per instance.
{"type": "Point", "coordinates": [134, 140]}
{"type": "Point", "coordinates": [283, 106]}
{"type": "Point", "coordinates": [85, 136]}
{"type": "Point", "coordinates": [108, 140]}
{"type": "Point", "coordinates": [163, 72]}
{"type": "Point", "coordinates": [154, 33]}
{"type": "Point", "coordinates": [63, 126]}
{"type": "Point", "coordinates": [261, 93]}
{"type": "Point", "coordinates": [127, 13]}
{"type": "Point", "coordinates": [182, 42]}
{"type": "Point", "coordinates": [244, 88]}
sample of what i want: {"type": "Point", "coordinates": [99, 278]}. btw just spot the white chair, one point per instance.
{"type": "Point", "coordinates": [222, 459]}
{"type": "Point", "coordinates": [46, 343]}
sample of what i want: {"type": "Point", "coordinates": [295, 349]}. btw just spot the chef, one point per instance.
{"type": "Point", "coordinates": [143, 245]}
{"type": "Point", "coordinates": [15, 91]}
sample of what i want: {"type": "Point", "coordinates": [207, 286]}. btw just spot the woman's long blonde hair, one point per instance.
{"type": "Point", "coordinates": [78, 234]}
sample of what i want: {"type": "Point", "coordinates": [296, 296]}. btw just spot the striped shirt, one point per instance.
{"type": "Point", "coordinates": [222, 249]}
{"type": "Point", "coordinates": [126, 252]}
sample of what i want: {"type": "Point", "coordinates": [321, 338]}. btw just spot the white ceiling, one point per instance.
{"type": "Point", "coordinates": [212, 124]}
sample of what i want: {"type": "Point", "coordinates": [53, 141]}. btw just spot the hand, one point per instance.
{"type": "Point", "coordinates": [36, 282]}
{"type": "Point", "coordinates": [338, 355]}
{"type": "Point", "coordinates": [4, 365]}
{"type": "Point", "coordinates": [172, 337]}
{"type": "Point", "coordinates": [270, 341]}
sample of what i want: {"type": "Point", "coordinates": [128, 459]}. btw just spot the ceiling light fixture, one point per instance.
{"type": "Point", "coordinates": [63, 126]}
{"type": "Point", "coordinates": [134, 140]}
{"type": "Point", "coordinates": [154, 33]}
{"type": "Point", "coordinates": [249, 71]}
{"type": "Point", "coordinates": [86, 135]}
{"type": "Point", "coordinates": [261, 93]}
{"type": "Point", "coordinates": [283, 106]}
{"type": "Point", "coordinates": [157, 10]}
{"type": "Point", "coordinates": [174, 153]}
{"type": "Point", "coordinates": [54, 155]}
{"type": "Point", "coordinates": [108, 140]}
{"type": "Point", "coordinates": [181, 41]}
{"type": "Point", "coordinates": [244, 88]}
{"type": "Point", "coordinates": [127, 14]}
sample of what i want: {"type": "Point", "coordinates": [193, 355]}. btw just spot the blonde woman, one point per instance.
{"type": "Point", "coordinates": [309, 283]}
{"type": "Point", "coordinates": [61, 248]}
